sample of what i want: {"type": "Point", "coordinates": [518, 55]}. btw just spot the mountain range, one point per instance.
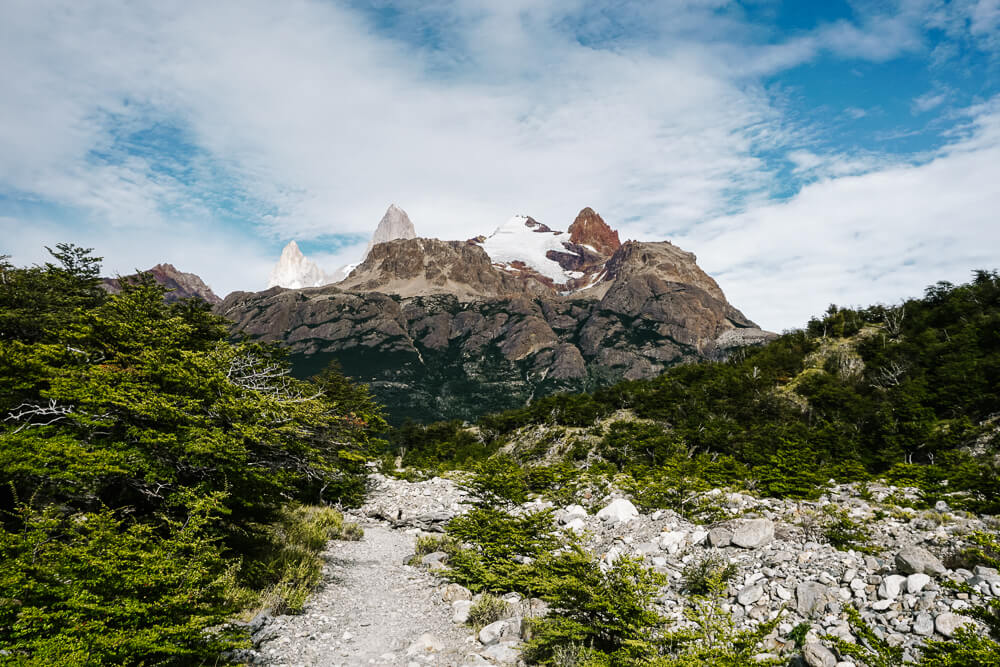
{"type": "Point", "coordinates": [450, 329]}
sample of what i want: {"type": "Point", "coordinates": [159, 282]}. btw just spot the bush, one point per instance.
{"type": "Point", "coordinates": [612, 612]}
{"type": "Point", "coordinates": [503, 540]}
{"type": "Point", "coordinates": [844, 533]}
{"type": "Point", "coordinates": [98, 588]}
{"type": "Point", "coordinates": [708, 574]}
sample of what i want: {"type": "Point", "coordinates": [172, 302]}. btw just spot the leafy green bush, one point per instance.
{"type": "Point", "coordinates": [610, 611]}
{"type": "Point", "coordinates": [503, 541]}
{"type": "Point", "coordinates": [843, 532]}
{"type": "Point", "coordinates": [98, 588]}
{"type": "Point", "coordinates": [708, 573]}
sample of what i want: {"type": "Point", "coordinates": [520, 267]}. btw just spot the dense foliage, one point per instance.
{"type": "Point", "coordinates": [909, 392]}
{"type": "Point", "coordinates": [142, 455]}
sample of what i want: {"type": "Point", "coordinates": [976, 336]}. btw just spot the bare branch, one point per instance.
{"type": "Point", "coordinates": [32, 414]}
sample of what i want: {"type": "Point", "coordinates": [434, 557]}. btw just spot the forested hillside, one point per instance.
{"type": "Point", "coordinates": [911, 392]}
{"type": "Point", "coordinates": [849, 443]}
{"type": "Point", "coordinates": [156, 480]}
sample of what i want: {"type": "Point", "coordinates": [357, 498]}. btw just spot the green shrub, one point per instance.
{"type": "Point", "coordinates": [708, 574]}
{"type": "Point", "coordinates": [96, 588]}
{"type": "Point", "coordinates": [844, 533]}
{"type": "Point", "coordinates": [713, 640]}
{"type": "Point", "coordinates": [610, 611]}
{"type": "Point", "coordinates": [502, 540]}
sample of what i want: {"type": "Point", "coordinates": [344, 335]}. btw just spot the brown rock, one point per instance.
{"type": "Point", "coordinates": [589, 229]}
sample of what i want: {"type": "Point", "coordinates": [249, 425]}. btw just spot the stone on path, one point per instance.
{"type": "Point", "coordinates": [425, 643]}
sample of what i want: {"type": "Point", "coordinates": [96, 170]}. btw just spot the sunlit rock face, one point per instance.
{"type": "Point", "coordinates": [453, 329]}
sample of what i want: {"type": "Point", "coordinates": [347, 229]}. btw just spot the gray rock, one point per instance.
{"type": "Point", "coordinates": [425, 643]}
{"type": "Point", "coordinates": [617, 511]}
{"type": "Point", "coordinates": [750, 594]}
{"type": "Point", "coordinates": [947, 623]}
{"type": "Point", "coordinates": [494, 632]}
{"type": "Point", "coordinates": [923, 625]}
{"type": "Point", "coordinates": [434, 560]}
{"type": "Point", "coordinates": [810, 597]}
{"type": "Point", "coordinates": [915, 582]}
{"type": "Point", "coordinates": [817, 655]}
{"type": "Point", "coordinates": [504, 653]}
{"type": "Point", "coordinates": [720, 537]}
{"type": "Point", "coordinates": [454, 592]}
{"type": "Point", "coordinates": [753, 533]}
{"type": "Point", "coordinates": [460, 611]}
{"type": "Point", "coordinates": [891, 587]}
{"type": "Point", "coordinates": [913, 559]}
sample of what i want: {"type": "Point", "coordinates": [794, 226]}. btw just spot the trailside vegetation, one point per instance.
{"type": "Point", "coordinates": [910, 393]}
{"type": "Point", "coordinates": [156, 479]}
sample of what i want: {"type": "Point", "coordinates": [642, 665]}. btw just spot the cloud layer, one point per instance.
{"type": "Point", "coordinates": [206, 134]}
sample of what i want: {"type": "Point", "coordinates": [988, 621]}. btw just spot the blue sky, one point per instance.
{"type": "Point", "coordinates": [807, 152]}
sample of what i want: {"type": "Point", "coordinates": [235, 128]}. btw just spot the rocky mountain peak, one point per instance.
{"type": "Point", "coordinates": [180, 285]}
{"type": "Point", "coordinates": [589, 229]}
{"type": "Point", "coordinates": [395, 224]}
{"type": "Point", "coordinates": [294, 270]}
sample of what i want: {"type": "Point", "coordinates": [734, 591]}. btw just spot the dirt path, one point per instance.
{"type": "Point", "coordinates": [370, 610]}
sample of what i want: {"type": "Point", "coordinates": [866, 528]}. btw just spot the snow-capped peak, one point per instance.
{"type": "Point", "coordinates": [294, 270]}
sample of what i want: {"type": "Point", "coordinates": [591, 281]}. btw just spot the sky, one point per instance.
{"type": "Point", "coordinates": [807, 152]}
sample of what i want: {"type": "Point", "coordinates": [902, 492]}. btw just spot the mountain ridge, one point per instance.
{"type": "Point", "coordinates": [445, 329]}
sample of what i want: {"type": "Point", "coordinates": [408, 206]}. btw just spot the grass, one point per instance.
{"type": "Point", "coordinates": [290, 565]}
{"type": "Point", "coordinates": [488, 609]}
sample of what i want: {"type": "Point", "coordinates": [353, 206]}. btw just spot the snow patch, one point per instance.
{"type": "Point", "coordinates": [517, 241]}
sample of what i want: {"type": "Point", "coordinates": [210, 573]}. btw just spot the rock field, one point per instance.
{"type": "Point", "coordinates": [374, 610]}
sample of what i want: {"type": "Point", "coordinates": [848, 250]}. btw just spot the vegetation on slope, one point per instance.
{"type": "Point", "coordinates": [152, 474]}
{"type": "Point", "coordinates": [910, 392]}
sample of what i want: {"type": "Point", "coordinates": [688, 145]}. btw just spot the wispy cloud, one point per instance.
{"type": "Point", "coordinates": [217, 130]}
{"type": "Point", "coordinates": [857, 239]}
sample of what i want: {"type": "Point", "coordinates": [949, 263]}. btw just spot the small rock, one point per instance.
{"type": "Point", "coordinates": [913, 559]}
{"type": "Point", "coordinates": [504, 653]}
{"type": "Point", "coordinates": [454, 592]}
{"type": "Point", "coordinates": [916, 582]}
{"type": "Point", "coordinates": [460, 611]}
{"type": "Point", "coordinates": [750, 594]}
{"type": "Point", "coordinates": [923, 625]}
{"type": "Point", "coordinates": [947, 623]}
{"type": "Point", "coordinates": [817, 655]}
{"type": "Point", "coordinates": [891, 586]}
{"type": "Point", "coordinates": [753, 533]}
{"type": "Point", "coordinates": [618, 510]}
{"type": "Point", "coordinates": [810, 597]}
{"type": "Point", "coordinates": [425, 643]}
{"type": "Point", "coordinates": [720, 537]}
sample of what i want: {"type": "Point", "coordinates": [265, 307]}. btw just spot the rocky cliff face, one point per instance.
{"type": "Point", "coordinates": [294, 270]}
{"type": "Point", "coordinates": [181, 285]}
{"type": "Point", "coordinates": [439, 330]}
{"type": "Point", "coordinates": [395, 224]}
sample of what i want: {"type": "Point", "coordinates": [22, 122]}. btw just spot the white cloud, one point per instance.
{"type": "Point", "coordinates": [314, 121]}
{"type": "Point", "coordinates": [928, 101]}
{"type": "Point", "coordinates": [855, 240]}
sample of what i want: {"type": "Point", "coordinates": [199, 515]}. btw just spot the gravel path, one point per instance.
{"type": "Point", "coordinates": [370, 610]}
